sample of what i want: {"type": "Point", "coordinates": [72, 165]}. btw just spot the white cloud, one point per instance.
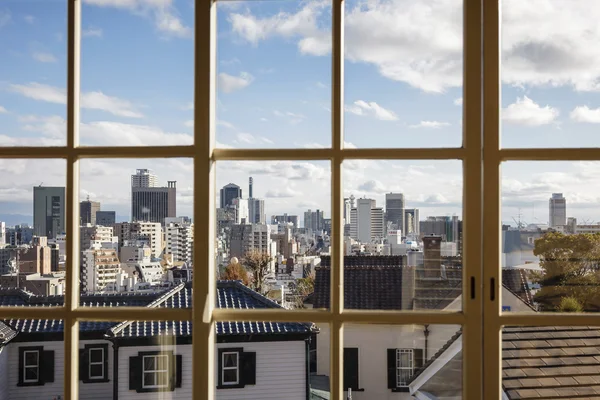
{"type": "Point", "coordinates": [243, 137]}
{"type": "Point", "coordinates": [226, 124]}
{"type": "Point", "coordinates": [189, 123]}
{"type": "Point", "coordinates": [586, 114]}
{"type": "Point", "coordinates": [90, 100]}
{"type": "Point", "coordinates": [372, 109]}
{"type": "Point", "coordinates": [528, 113]}
{"type": "Point", "coordinates": [92, 32]}
{"type": "Point", "coordinates": [293, 118]}
{"type": "Point", "coordinates": [285, 192]}
{"type": "Point", "coordinates": [373, 186]}
{"type": "Point", "coordinates": [3, 110]}
{"type": "Point", "coordinates": [44, 57]}
{"type": "Point", "coordinates": [30, 19]}
{"type": "Point", "coordinates": [229, 83]}
{"type": "Point", "coordinates": [5, 17]}
{"type": "Point", "coordinates": [458, 101]}
{"type": "Point", "coordinates": [163, 12]}
{"type": "Point", "coordinates": [420, 42]}
{"type": "Point", "coordinates": [430, 124]}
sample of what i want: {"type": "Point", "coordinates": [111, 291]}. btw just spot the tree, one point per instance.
{"type": "Point", "coordinates": [570, 268]}
{"type": "Point", "coordinates": [304, 287]}
{"type": "Point", "coordinates": [236, 272]}
{"type": "Point", "coordinates": [257, 264]}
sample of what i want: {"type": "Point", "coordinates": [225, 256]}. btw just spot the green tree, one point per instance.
{"type": "Point", "coordinates": [569, 304]}
{"type": "Point", "coordinates": [257, 264]}
{"type": "Point", "coordinates": [569, 266]}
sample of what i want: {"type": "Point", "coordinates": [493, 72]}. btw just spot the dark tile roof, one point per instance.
{"type": "Point", "coordinates": [437, 293]}
{"type": "Point", "coordinates": [551, 362]}
{"type": "Point", "coordinates": [515, 280]}
{"type": "Point", "coordinates": [6, 333]}
{"type": "Point", "coordinates": [230, 294]}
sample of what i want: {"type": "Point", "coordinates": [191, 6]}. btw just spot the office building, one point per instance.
{"type": "Point", "coordinates": [240, 206]}
{"type": "Point", "coordinates": [250, 184]}
{"type": "Point", "coordinates": [448, 228]}
{"type": "Point", "coordinates": [411, 222]}
{"type": "Point", "coordinates": [19, 234]}
{"type": "Point", "coordinates": [313, 220]}
{"type": "Point", "coordinates": [87, 212]}
{"type": "Point", "coordinates": [228, 193]}
{"type": "Point", "coordinates": [153, 204]}
{"type": "Point", "coordinates": [48, 211]}
{"type": "Point", "coordinates": [138, 232]}
{"type": "Point", "coordinates": [256, 211]}
{"type": "Point", "coordinates": [347, 209]}
{"type": "Point", "coordinates": [99, 269]}
{"type": "Point", "coordinates": [246, 238]}
{"type": "Point", "coordinates": [558, 210]}
{"type": "Point", "coordinates": [394, 211]}
{"type": "Point", "coordinates": [90, 234]}
{"type": "Point", "coordinates": [366, 221]}
{"type": "Point", "coordinates": [179, 241]}
{"type": "Point", "coordinates": [106, 218]}
{"type": "Point", "coordinates": [144, 178]}
{"type": "Point", "coordinates": [285, 219]}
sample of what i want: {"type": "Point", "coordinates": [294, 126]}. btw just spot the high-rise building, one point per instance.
{"type": "Point", "coordinates": [256, 211]}
{"type": "Point", "coordinates": [558, 210]}
{"type": "Point", "coordinates": [149, 232]}
{"type": "Point", "coordinates": [249, 237]}
{"type": "Point", "coordinates": [411, 222]}
{"type": "Point", "coordinates": [241, 210]}
{"type": "Point", "coordinates": [99, 269]}
{"type": "Point", "coordinates": [87, 212]}
{"type": "Point", "coordinates": [347, 210]}
{"type": "Point", "coordinates": [144, 178]}
{"type": "Point", "coordinates": [228, 193]}
{"type": "Point", "coordinates": [179, 241]}
{"type": "Point", "coordinates": [90, 234]}
{"type": "Point", "coordinates": [394, 210]}
{"type": "Point", "coordinates": [2, 233]}
{"type": "Point", "coordinates": [48, 211]}
{"type": "Point", "coordinates": [250, 183]}
{"type": "Point", "coordinates": [448, 228]}
{"type": "Point", "coordinates": [105, 218]}
{"type": "Point", "coordinates": [286, 219]}
{"type": "Point", "coordinates": [313, 220]}
{"type": "Point", "coordinates": [153, 204]}
{"type": "Point", "coordinates": [366, 221]}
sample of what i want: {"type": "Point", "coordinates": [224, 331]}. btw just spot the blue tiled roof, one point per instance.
{"type": "Point", "coordinates": [230, 294]}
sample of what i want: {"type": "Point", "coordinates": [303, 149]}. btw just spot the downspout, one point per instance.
{"type": "Point", "coordinates": [115, 371]}
{"type": "Point", "coordinates": [426, 334]}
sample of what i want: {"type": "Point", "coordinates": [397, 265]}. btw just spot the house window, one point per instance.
{"type": "Point", "coordinates": [31, 366]}
{"type": "Point", "coordinates": [404, 366]}
{"type": "Point", "coordinates": [230, 372]}
{"type": "Point", "coordinates": [155, 372]}
{"type": "Point", "coordinates": [96, 367]}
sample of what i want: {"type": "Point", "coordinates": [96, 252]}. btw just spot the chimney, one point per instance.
{"type": "Point", "coordinates": [432, 260]}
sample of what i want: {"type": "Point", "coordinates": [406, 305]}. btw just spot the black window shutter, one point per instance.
{"type": "Point", "coordinates": [351, 368]}
{"type": "Point", "coordinates": [47, 366]}
{"type": "Point", "coordinates": [248, 368]}
{"type": "Point", "coordinates": [21, 364]}
{"type": "Point", "coordinates": [178, 370]}
{"type": "Point", "coordinates": [135, 373]}
{"type": "Point", "coordinates": [83, 365]}
{"type": "Point", "coordinates": [418, 358]}
{"type": "Point", "coordinates": [391, 368]}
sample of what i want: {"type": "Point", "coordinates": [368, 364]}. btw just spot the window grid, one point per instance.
{"type": "Point", "coordinates": [157, 372]}
{"type": "Point", "coordinates": [235, 368]}
{"type": "Point", "coordinates": [404, 366]}
{"type": "Point", "coordinates": [96, 363]}
{"type": "Point", "coordinates": [202, 151]}
{"type": "Point", "coordinates": [32, 365]}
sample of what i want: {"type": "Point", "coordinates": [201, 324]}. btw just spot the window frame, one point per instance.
{"type": "Point", "coordinates": [156, 371]}
{"type": "Point", "coordinates": [25, 366]}
{"type": "Point", "coordinates": [91, 363]}
{"type": "Point", "coordinates": [399, 368]}
{"type": "Point", "coordinates": [224, 368]}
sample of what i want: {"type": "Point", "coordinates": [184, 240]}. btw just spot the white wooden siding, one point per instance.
{"type": "Point", "coordinates": [280, 372]}
{"type": "Point", "coordinates": [87, 391]}
{"type": "Point", "coordinates": [3, 373]}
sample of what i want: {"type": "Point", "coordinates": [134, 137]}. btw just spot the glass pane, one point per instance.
{"type": "Point", "coordinates": [31, 373]}
{"type": "Point", "coordinates": [33, 49]}
{"type": "Point", "coordinates": [550, 247]}
{"type": "Point", "coordinates": [402, 242]}
{"type": "Point", "coordinates": [150, 379]}
{"type": "Point", "coordinates": [549, 75]}
{"type": "Point", "coordinates": [550, 362]}
{"type": "Point", "coordinates": [229, 360]}
{"type": "Point", "coordinates": [31, 358]}
{"type": "Point", "coordinates": [96, 355]}
{"type": "Point", "coordinates": [137, 73]}
{"type": "Point", "coordinates": [149, 363]}
{"type": "Point", "coordinates": [230, 375]}
{"type": "Point", "coordinates": [141, 247]}
{"type": "Point", "coordinates": [436, 372]}
{"type": "Point", "coordinates": [273, 74]}
{"type": "Point", "coordinates": [96, 370]}
{"type": "Point", "coordinates": [274, 236]}
{"type": "Point", "coordinates": [162, 379]}
{"type": "Point", "coordinates": [403, 73]}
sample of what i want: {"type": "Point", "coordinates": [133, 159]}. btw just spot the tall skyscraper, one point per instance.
{"type": "Point", "coordinates": [313, 220]}
{"type": "Point", "coordinates": [250, 183]}
{"type": "Point", "coordinates": [105, 218]}
{"type": "Point", "coordinates": [448, 228]}
{"type": "Point", "coordinates": [150, 203]}
{"type": "Point", "coordinates": [558, 210]}
{"type": "Point", "coordinates": [256, 211]}
{"type": "Point", "coordinates": [277, 219]}
{"type": "Point", "coordinates": [241, 210]}
{"type": "Point", "coordinates": [394, 210]}
{"type": "Point", "coordinates": [48, 211]}
{"type": "Point", "coordinates": [366, 221]}
{"type": "Point", "coordinates": [144, 178]}
{"type": "Point", "coordinates": [228, 193]}
{"type": "Point", "coordinates": [87, 211]}
{"type": "Point", "coordinates": [411, 222]}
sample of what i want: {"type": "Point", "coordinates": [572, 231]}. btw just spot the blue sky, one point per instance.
{"type": "Point", "coordinates": [402, 89]}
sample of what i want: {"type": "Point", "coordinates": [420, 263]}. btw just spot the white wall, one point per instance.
{"type": "Point", "coordinates": [373, 342]}
{"type": "Point", "coordinates": [87, 391]}
{"type": "Point", "coordinates": [4, 373]}
{"type": "Point", "coordinates": [280, 372]}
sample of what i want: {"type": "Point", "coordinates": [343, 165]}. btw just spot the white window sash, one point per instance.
{"type": "Point", "coordinates": [236, 368]}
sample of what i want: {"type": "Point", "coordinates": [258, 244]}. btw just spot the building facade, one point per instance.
{"type": "Point", "coordinates": [87, 212]}
{"type": "Point", "coordinates": [256, 211]}
{"type": "Point", "coordinates": [144, 178]}
{"type": "Point", "coordinates": [153, 204]}
{"type": "Point", "coordinates": [367, 221]}
{"type": "Point", "coordinates": [394, 210]}
{"type": "Point", "coordinates": [313, 220]}
{"type": "Point", "coordinates": [48, 211]}
{"type": "Point", "coordinates": [249, 237]}
{"type": "Point", "coordinates": [99, 269]}
{"type": "Point", "coordinates": [228, 193]}
{"type": "Point", "coordinates": [149, 232]}
{"type": "Point", "coordinates": [179, 241]}
{"type": "Point", "coordinates": [557, 210]}
{"type": "Point", "coordinates": [106, 218]}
